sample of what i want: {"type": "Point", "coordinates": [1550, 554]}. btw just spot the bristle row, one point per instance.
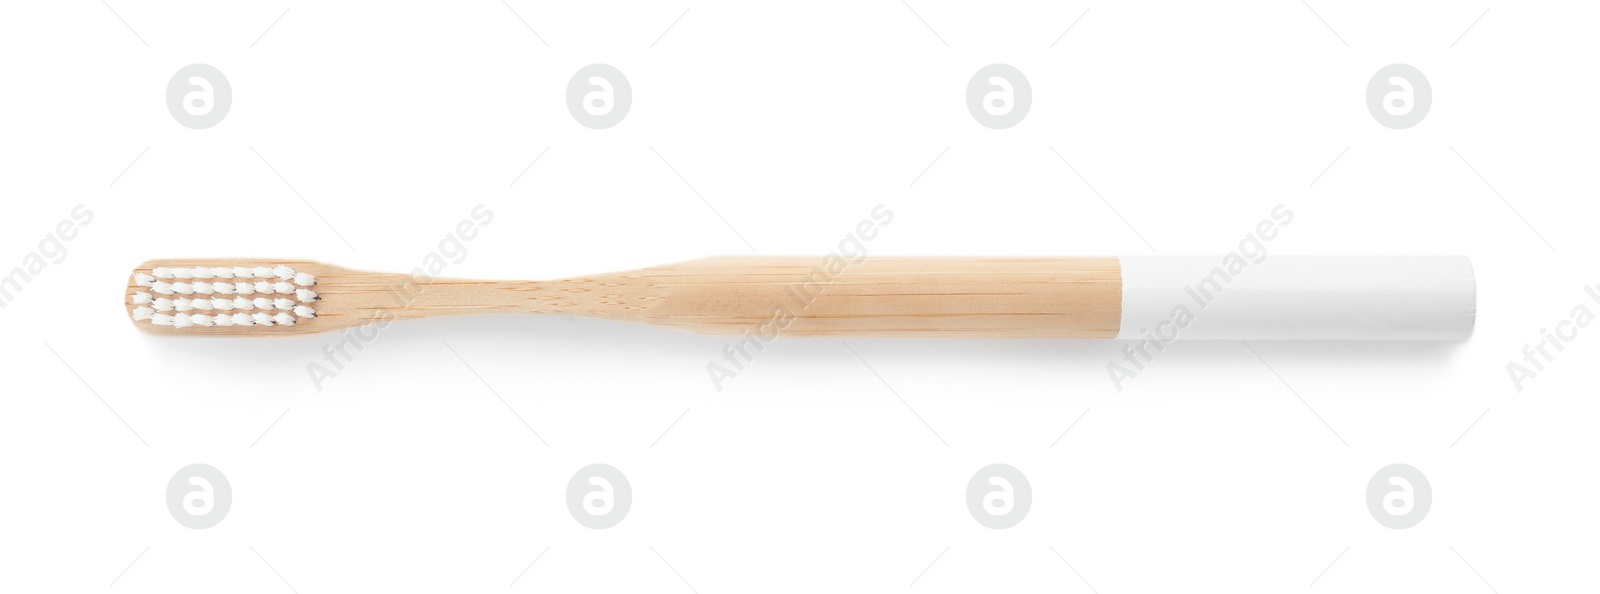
{"type": "Point", "coordinates": [235, 288]}
{"type": "Point", "coordinates": [240, 303]}
{"type": "Point", "coordinates": [184, 320]}
{"type": "Point", "coordinates": [280, 272]}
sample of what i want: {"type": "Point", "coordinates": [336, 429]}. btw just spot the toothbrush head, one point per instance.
{"type": "Point", "coordinates": [231, 297]}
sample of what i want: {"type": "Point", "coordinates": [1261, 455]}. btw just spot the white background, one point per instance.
{"type": "Point", "coordinates": [806, 472]}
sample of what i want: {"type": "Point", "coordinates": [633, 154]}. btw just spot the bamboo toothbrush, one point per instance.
{"type": "Point", "coordinates": [1159, 298]}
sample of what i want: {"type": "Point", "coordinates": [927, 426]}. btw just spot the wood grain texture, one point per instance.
{"type": "Point", "coordinates": [788, 296]}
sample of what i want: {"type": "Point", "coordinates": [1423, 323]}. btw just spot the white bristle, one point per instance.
{"type": "Point", "coordinates": [232, 284]}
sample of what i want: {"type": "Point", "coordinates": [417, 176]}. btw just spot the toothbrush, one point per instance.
{"type": "Point", "coordinates": [1161, 298]}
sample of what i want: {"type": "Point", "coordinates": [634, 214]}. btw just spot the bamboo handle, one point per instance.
{"type": "Point", "coordinates": [766, 296]}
